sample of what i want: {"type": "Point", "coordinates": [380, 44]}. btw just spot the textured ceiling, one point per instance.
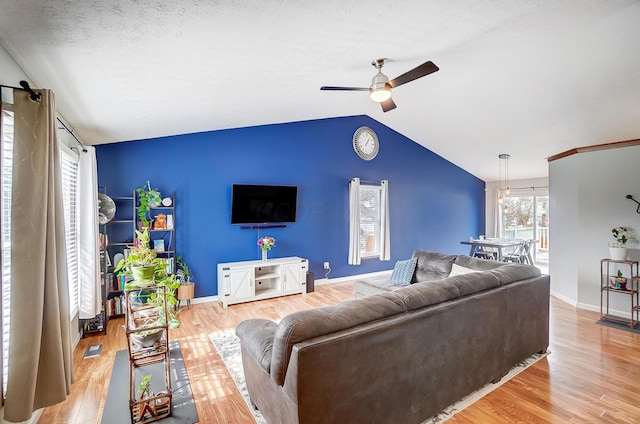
{"type": "Point", "coordinates": [527, 77]}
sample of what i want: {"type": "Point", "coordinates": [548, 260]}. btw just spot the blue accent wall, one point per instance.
{"type": "Point", "coordinates": [433, 203]}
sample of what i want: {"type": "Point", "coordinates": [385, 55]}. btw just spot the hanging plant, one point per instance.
{"type": "Point", "coordinates": [147, 198]}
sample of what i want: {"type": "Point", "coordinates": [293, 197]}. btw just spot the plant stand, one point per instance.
{"type": "Point", "coordinates": [148, 343]}
{"type": "Point", "coordinates": [632, 290]}
{"type": "Point", "coordinates": [186, 292]}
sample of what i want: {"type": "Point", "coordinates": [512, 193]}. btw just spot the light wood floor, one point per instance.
{"type": "Point", "coordinates": [592, 374]}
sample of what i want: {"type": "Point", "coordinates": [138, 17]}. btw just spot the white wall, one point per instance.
{"type": "Point", "coordinates": [587, 200]}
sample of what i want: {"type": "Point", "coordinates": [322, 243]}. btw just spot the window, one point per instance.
{"type": "Point", "coordinates": [69, 168]}
{"type": "Point", "coordinates": [370, 221]}
{"type": "Point", "coordinates": [527, 217]}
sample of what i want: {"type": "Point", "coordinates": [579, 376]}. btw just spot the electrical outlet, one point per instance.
{"type": "Point", "coordinates": [326, 265]}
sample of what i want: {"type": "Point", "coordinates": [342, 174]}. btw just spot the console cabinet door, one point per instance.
{"type": "Point", "coordinates": [295, 277]}
{"type": "Point", "coordinates": [239, 284]}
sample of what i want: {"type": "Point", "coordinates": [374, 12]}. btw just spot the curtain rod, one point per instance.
{"type": "Point", "coordinates": [35, 97]}
{"type": "Point", "coordinates": [84, 149]}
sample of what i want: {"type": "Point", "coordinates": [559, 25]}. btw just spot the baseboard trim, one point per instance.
{"type": "Point", "coordinates": [565, 299]}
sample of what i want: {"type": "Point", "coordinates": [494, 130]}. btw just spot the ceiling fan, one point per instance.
{"type": "Point", "coordinates": [380, 89]}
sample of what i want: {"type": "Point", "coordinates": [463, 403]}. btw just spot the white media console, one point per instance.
{"type": "Point", "coordinates": [255, 280]}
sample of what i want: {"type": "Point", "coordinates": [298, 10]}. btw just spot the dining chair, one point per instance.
{"type": "Point", "coordinates": [521, 254]}
{"type": "Point", "coordinates": [485, 253]}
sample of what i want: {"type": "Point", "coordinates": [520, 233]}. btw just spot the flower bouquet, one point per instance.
{"type": "Point", "coordinates": [266, 243]}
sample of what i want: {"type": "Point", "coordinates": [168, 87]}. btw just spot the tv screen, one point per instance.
{"type": "Point", "coordinates": [263, 204]}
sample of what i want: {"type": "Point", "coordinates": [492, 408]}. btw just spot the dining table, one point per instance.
{"type": "Point", "coordinates": [496, 244]}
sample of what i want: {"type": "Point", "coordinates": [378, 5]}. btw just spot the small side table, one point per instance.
{"type": "Point", "coordinates": [631, 290]}
{"type": "Point", "coordinates": [186, 292]}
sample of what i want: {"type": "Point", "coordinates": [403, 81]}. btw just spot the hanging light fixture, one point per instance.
{"type": "Point", "coordinates": [504, 172]}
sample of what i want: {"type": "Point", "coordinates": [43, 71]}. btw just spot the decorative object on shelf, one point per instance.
{"type": "Point", "coordinates": [106, 208]}
{"type": "Point", "coordinates": [618, 248]}
{"type": "Point", "coordinates": [266, 243]}
{"type": "Point", "coordinates": [166, 201]}
{"type": "Point", "coordinates": [147, 198]}
{"type": "Point", "coordinates": [618, 281]}
{"type": "Point", "coordinates": [160, 223]}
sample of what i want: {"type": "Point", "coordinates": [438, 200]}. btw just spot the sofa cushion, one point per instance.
{"type": "Point", "coordinates": [311, 323]}
{"type": "Point", "coordinates": [403, 272]}
{"type": "Point", "coordinates": [515, 272]}
{"type": "Point", "coordinates": [432, 265]}
{"type": "Point", "coordinates": [373, 285]}
{"type": "Point", "coordinates": [257, 338]}
{"type": "Point", "coordinates": [459, 270]}
{"type": "Point", "coordinates": [477, 263]}
{"type": "Point", "coordinates": [420, 295]}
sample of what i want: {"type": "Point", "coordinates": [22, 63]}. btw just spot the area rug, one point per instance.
{"type": "Point", "coordinates": [116, 407]}
{"type": "Point", "coordinates": [619, 326]}
{"type": "Point", "coordinates": [228, 346]}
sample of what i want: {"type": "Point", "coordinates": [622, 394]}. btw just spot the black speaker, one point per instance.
{"type": "Point", "coordinates": [310, 282]}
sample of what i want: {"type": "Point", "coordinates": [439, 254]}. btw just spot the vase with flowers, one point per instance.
{"type": "Point", "coordinates": [265, 244]}
{"type": "Point", "coordinates": [618, 247]}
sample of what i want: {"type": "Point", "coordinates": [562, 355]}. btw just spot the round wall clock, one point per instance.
{"type": "Point", "coordinates": [365, 143]}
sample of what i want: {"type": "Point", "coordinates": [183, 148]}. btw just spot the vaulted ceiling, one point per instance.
{"type": "Point", "coordinates": [528, 78]}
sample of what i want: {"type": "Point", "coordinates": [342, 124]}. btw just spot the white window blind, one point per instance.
{"type": "Point", "coordinates": [369, 221]}
{"type": "Point", "coordinates": [5, 230]}
{"type": "Point", "coordinates": [69, 168]}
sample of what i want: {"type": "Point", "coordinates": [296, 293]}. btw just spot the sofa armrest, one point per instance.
{"type": "Point", "coordinates": [256, 337]}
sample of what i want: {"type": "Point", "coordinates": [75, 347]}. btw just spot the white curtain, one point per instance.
{"type": "Point", "coordinates": [496, 212]}
{"type": "Point", "coordinates": [89, 293]}
{"type": "Point", "coordinates": [385, 239]}
{"type": "Point", "coordinates": [354, 221]}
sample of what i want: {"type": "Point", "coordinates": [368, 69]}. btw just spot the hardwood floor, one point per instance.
{"type": "Point", "coordinates": [592, 374]}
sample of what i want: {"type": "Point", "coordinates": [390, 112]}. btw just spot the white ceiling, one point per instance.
{"type": "Point", "coordinates": [527, 77]}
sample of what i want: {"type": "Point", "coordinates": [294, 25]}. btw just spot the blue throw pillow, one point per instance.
{"type": "Point", "coordinates": [403, 272]}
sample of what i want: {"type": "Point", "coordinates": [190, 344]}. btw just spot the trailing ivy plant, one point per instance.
{"type": "Point", "coordinates": [147, 197]}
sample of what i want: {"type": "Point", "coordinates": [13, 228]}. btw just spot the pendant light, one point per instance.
{"type": "Point", "coordinates": [504, 172]}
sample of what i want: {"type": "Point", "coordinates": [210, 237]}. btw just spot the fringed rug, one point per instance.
{"type": "Point", "coordinates": [228, 346]}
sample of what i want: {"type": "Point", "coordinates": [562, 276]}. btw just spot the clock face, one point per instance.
{"type": "Point", "coordinates": [365, 143]}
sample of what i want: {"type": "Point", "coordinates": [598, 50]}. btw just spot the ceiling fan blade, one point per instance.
{"type": "Point", "coordinates": [327, 87]}
{"type": "Point", "coordinates": [417, 72]}
{"type": "Point", "coordinates": [388, 105]}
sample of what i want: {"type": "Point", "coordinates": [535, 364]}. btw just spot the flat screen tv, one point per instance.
{"type": "Point", "coordinates": [263, 204]}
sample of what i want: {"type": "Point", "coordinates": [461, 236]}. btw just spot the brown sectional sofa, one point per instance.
{"type": "Point", "coordinates": [402, 355]}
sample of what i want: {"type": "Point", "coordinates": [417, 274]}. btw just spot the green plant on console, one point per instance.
{"type": "Point", "coordinates": [147, 197]}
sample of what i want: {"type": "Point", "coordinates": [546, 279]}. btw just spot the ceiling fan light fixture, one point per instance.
{"type": "Point", "coordinates": [380, 95]}
{"type": "Point", "coordinates": [380, 91]}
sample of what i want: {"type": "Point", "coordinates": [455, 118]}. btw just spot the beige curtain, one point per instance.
{"type": "Point", "coordinates": [40, 355]}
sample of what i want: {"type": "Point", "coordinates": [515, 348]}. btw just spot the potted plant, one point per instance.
{"type": "Point", "coordinates": [186, 291]}
{"type": "Point", "coordinates": [618, 281]}
{"type": "Point", "coordinates": [142, 262]}
{"type": "Point", "coordinates": [144, 388]}
{"type": "Point", "coordinates": [147, 197]}
{"type": "Point", "coordinates": [618, 248]}
{"type": "Point", "coordinates": [147, 271]}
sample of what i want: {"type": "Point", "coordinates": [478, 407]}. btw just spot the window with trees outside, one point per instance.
{"type": "Point", "coordinates": [527, 217]}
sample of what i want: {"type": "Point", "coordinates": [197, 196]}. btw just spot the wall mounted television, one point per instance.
{"type": "Point", "coordinates": [263, 204]}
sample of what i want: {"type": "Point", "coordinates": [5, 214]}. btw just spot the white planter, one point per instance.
{"type": "Point", "coordinates": [618, 253]}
